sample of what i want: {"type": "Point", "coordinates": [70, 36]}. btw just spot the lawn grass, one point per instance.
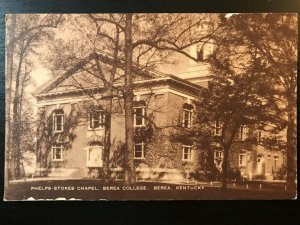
{"type": "Point", "coordinates": [98, 190]}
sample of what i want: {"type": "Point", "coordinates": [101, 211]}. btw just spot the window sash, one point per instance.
{"type": "Point", "coordinates": [97, 119]}
{"type": "Point", "coordinates": [57, 153]}
{"type": "Point", "coordinates": [186, 118]}
{"type": "Point", "coordinates": [218, 154]}
{"type": "Point", "coordinates": [139, 116]}
{"type": "Point", "coordinates": [187, 153]}
{"type": "Point", "coordinates": [242, 160]}
{"type": "Point", "coordinates": [243, 132]}
{"type": "Point", "coordinates": [58, 122]}
{"type": "Point", "coordinates": [139, 151]}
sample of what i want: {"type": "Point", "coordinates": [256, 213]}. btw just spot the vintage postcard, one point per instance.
{"type": "Point", "coordinates": [165, 106]}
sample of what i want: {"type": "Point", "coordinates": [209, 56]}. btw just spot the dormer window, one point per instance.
{"type": "Point", "coordinates": [97, 119]}
{"type": "Point", "coordinates": [58, 121]}
{"type": "Point", "coordinates": [187, 114]}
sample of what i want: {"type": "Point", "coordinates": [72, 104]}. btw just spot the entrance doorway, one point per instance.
{"type": "Point", "coordinates": [94, 159]}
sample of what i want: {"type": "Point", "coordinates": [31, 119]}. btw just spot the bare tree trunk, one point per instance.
{"type": "Point", "coordinates": [107, 136]}
{"type": "Point", "coordinates": [16, 121]}
{"type": "Point", "coordinates": [110, 93]}
{"type": "Point", "coordinates": [128, 98]}
{"type": "Point", "coordinates": [9, 76]}
{"type": "Point", "coordinates": [291, 142]}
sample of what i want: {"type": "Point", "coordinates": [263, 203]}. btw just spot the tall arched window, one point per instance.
{"type": "Point", "coordinates": [58, 120]}
{"type": "Point", "coordinates": [94, 154]}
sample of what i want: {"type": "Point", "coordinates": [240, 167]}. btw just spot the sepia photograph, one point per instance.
{"type": "Point", "coordinates": [151, 106]}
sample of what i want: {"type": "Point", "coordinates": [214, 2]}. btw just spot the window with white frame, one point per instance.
{"type": "Point", "coordinates": [58, 121]}
{"type": "Point", "coordinates": [187, 153]}
{"type": "Point", "coordinates": [242, 159]}
{"type": "Point", "coordinates": [187, 118]}
{"type": "Point", "coordinates": [243, 134]}
{"type": "Point", "coordinates": [139, 152]}
{"type": "Point", "coordinates": [57, 152]}
{"type": "Point", "coordinates": [187, 115]}
{"type": "Point", "coordinates": [218, 154]}
{"type": "Point", "coordinates": [139, 116]}
{"type": "Point", "coordinates": [97, 119]}
{"type": "Point", "coordinates": [218, 128]}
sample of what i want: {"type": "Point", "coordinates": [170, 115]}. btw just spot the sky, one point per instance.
{"type": "Point", "coordinates": [41, 74]}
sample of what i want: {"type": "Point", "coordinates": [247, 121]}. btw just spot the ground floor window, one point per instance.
{"type": "Point", "coordinates": [186, 153]}
{"type": "Point", "coordinates": [57, 152]}
{"type": "Point", "coordinates": [242, 160]}
{"type": "Point", "coordinates": [94, 155]}
{"type": "Point", "coordinates": [139, 150]}
{"type": "Point", "coordinates": [218, 154]}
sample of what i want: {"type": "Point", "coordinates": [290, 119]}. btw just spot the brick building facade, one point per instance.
{"type": "Point", "coordinates": [72, 128]}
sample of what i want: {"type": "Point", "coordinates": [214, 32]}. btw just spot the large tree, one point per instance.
{"type": "Point", "coordinates": [145, 42]}
{"type": "Point", "coordinates": [11, 23]}
{"type": "Point", "coordinates": [26, 33]}
{"type": "Point", "coordinates": [273, 37]}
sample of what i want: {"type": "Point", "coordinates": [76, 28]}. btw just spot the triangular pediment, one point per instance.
{"type": "Point", "coordinates": [84, 75]}
{"type": "Point", "coordinates": [77, 81]}
{"type": "Point", "coordinates": [83, 80]}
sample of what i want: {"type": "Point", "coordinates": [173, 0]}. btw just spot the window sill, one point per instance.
{"type": "Point", "coordinates": [139, 158]}
{"type": "Point", "coordinates": [95, 129]}
{"type": "Point", "coordinates": [58, 132]}
{"type": "Point", "coordinates": [187, 160]}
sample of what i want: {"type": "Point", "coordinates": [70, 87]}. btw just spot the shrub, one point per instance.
{"type": "Point", "coordinates": [234, 174]}
{"type": "Point", "coordinates": [259, 177]}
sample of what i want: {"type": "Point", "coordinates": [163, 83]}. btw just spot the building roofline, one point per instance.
{"type": "Point", "coordinates": [168, 78]}
{"type": "Point", "coordinates": [48, 85]}
{"type": "Point", "coordinates": [106, 59]}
